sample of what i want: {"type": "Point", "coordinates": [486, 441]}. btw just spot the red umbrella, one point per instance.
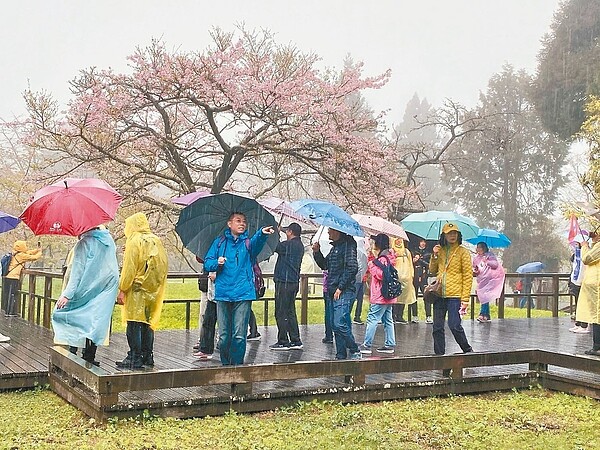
{"type": "Point", "coordinates": [71, 206]}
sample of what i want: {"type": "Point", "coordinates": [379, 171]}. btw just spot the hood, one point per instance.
{"type": "Point", "coordinates": [102, 235]}
{"type": "Point", "coordinates": [137, 223]}
{"type": "Point", "coordinates": [20, 246]}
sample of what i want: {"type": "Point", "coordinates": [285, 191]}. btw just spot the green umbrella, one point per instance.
{"type": "Point", "coordinates": [429, 224]}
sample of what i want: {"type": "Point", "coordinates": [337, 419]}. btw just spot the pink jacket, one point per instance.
{"type": "Point", "coordinates": [375, 296]}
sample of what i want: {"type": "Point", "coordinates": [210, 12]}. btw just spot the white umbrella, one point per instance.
{"type": "Point", "coordinates": [376, 225]}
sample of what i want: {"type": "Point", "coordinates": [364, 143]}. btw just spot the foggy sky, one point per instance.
{"type": "Point", "coordinates": [437, 48]}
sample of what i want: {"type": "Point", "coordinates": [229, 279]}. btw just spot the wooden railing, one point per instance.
{"type": "Point", "coordinates": [36, 299]}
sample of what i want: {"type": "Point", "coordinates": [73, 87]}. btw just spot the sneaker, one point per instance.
{"type": "Point", "coordinates": [327, 340]}
{"type": "Point", "coordinates": [364, 349]}
{"type": "Point", "coordinates": [429, 320]}
{"type": "Point", "coordinates": [480, 319]}
{"type": "Point", "coordinates": [414, 320]}
{"type": "Point", "coordinates": [296, 346]}
{"type": "Point", "coordinates": [592, 352]}
{"type": "Point", "coordinates": [4, 338]}
{"type": "Point", "coordinates": [386, 349]}
{"type": "Point", "coordinates": [204, 356]}
{"type": "Point", "coordinates": [358, 322]}
{"type": "Point", "coordinates": [582, 330]}
{"type": "Point", "coordinates": [196, 347]}
{"type": "Point", "coordinates": [357, 355]}
{"type": "Point", "coordinates": [279, 346]}
{"type": "Point", "coordinates": [402, 321]}
{"type": "Point", "coordinates": [256, 337]}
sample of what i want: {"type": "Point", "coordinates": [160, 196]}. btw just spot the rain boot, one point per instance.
{"type": "Point", "coordinates": [147, 345]}
{"type": "Point", "coordinates": [89, 352]}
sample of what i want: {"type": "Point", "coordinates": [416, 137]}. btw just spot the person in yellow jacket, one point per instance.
{"type": "Point", "coordinates": [588, 306]}
{"type": "Point", "coordinates": [10, 283]}
{"type": "Point", "coordinates": [451, 264]}
{"type": "Point", "coordinates": [141, 290]}
{"type": "Point", "coordinates": [406, 272]}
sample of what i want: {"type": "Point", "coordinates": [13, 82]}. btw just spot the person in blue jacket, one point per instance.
{"type": "Point", "coordinates": [231, 256]}
{"type": "Point", "coordinates": [84, 309]}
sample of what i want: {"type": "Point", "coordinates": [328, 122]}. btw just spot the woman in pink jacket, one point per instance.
{"type": "Point", "coordinates": [380, 308]}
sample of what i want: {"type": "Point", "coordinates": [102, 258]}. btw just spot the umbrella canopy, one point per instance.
{"type": "Point", "coordinates": [531, 267]}
{"type": "Point", "coordinates": [280, 207]}
{"type": "Point", "coordinates": [71, 206]}
{"type": "Point", "coordinates": [8, 222]}
{"type": "Point", "coordinates": [376, 225]}
{"type": "Point", "coordinates": [322, 237]}
{"type": "Point", "coordinates": [492, 238]}
{"type": "Point", "coordinates": [327, 214]}
{"type": "Point", "coordinates": [187, 199]}
{"type": "Point", "coordinates": [429, 224]}
{"type": "Point", "coordinates": [202, 221]}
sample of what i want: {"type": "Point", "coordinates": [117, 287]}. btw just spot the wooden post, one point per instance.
{"type": "Point", "coordinates": [304, 299]}
{"type": "Point", "coordinates": [555, 285]}
{"type": "Point", "coordinates": [47, 301]}
{"type": "Point", "coordinates": [501, 304]}
{"type": "Point", "coordinates": [188, 314]}
{"type": "Point", "coordinates": [31, 304]}
{"type": "Point", "coordinates": [266, 312]}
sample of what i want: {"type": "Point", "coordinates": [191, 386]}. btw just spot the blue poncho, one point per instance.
{"type": "Point", "coordinates": [91, 289]}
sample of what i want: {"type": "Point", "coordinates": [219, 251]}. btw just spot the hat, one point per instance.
{"type": "Point", "coordinates": [382, 241]}
{"type": "Point", "coordinates": [449, 227]}
{"type": "Point", "coordinates": [295, 228]}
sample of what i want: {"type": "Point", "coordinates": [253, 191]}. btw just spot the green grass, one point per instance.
{"type": "Point", "coordinates": [531, 419]}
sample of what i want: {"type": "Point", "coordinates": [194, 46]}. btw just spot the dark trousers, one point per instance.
{"type": "Point", "coordinates": [285, 312]}
{"type": "Point", "coordinates": [252, 324]}
{"type": "Point", "coordinates": [360, 294]}
{"type": "Point", "coordinates": [440, 308]}
{"type": "Point", "coordinates": [10, 286]}
{"type": "Point", "coordinates": [140, 338]}
{"type": "Point", "coordinates": [596, 336]}
{"type": "Point", "coordinates": [207, 331]}
{"type": "Point", "coordinates": [398, 311]}
{"type": "Point", "coordinates": [428, 304]}
{"type": "Point", "coordinates": [328, 316]}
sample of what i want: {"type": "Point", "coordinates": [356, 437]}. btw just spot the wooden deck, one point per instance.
{"type": "Point", "coordinates": [180, 385]}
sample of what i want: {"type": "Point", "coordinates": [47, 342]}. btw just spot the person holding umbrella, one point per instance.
{"type": "Point", "coordinates": [141, 290]}
{"type": "Point", "coordinates": [451, 264]}
{"type": "Point", "coordinates": [84, 309]}
{"type": "Point", "coordinates": [231, 256]}
{"type": "Point", "coordinates": [342, 265]}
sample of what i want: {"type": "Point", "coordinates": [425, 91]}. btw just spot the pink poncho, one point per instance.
{"type": "Point", "coordinates": [490, 277]}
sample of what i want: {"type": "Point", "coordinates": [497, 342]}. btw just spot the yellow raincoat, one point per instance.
{"type": "Point", "coordinates": [20, 256]}
{"type": "Point", "coordinates": [588, 306]}
{"type": "Point", "coordinates": [406, 272]}
{"type": "Point", "coordinates": [144, 273]}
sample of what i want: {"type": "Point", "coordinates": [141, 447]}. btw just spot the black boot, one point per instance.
{"type": "Point", "coordinates": [147, 345]}
{"type": "Point", "coordinates": [133, 360]}
{"type": "Point", "coordinates": [89, 352]}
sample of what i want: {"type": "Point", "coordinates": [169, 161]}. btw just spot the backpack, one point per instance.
{"type": "Point", "coordinates": [259, 281]}
{"type": "Point", "coordinates": [390, 284]}
{"type": "Point", "coordinates": [5, 261]}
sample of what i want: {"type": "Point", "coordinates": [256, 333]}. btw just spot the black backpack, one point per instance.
{"type": "Point", "coordinates": [390, 284]}
{"type": "Point", "coordinates": [5, 261]}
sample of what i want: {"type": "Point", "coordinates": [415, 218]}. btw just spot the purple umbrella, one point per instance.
{"type": "Point", "coordinates": [8, 222]}
{"type": "Point", "coordinates": [188, 199]}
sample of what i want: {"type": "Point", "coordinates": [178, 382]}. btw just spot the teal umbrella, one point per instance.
{"type": "Point", "coordinates": [492, 238]}
{"type": "Point", "coordinates": [429, 224]}
{"type": "Point", "coordinates": [203, 220]}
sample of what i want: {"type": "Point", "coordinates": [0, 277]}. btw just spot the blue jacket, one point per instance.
{"type": "Point", "coordinates": [341, 265]}
{"type": "Point", "coordinates": [235, 279]}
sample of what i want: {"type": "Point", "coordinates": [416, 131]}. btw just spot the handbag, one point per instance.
{"type": "Point", "coordinates": [203, 282]}
{"type": "Point", "coordinates": [433, 291]}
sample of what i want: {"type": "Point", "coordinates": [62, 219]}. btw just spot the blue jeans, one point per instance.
{"type": "Point", "coordinates": [451, 306]}
{"type": "Point", "coordinates": [342, 325]}
{"type": "Point", "coordinates": [485, 310]}
{"type": "Point", "coordinates": [377, 313]}
{"type": "Point", "coordinates": [233, 318]}
{"type": "Point", "coordinates": [328, 316]}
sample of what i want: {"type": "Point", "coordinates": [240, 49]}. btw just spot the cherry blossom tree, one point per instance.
{"type": "Point", "coordinates": [246, 114]}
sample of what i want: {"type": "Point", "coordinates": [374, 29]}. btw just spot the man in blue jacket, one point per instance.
{"type": "Point", "coordinates": [341, 265]}
{"type": "Point", "coordinates": [231, 256]}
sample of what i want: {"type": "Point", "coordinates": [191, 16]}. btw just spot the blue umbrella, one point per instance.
{"type": "Point", "coordinates": [429, 224]}
{"type": "Point", "coordinates": [203, 220]}
{"type": "Point", "coordinates": [531, 267]}
{"type": "Point", "coordinates": [492, 238]}
{"type": "Point", "coordinates": [328, 215]}
{"type": "Point", "coordinates": [8, 222]}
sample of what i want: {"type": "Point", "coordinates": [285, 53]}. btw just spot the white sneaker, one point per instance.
{"type": "Point", "coordinates": [4, 338]}
{"type": "Point", "coordinates": [582, 330]}
{"type": "Point", "coordinates": [574, 329]}
{"type": "Point", "coordinates": [429, 320]}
